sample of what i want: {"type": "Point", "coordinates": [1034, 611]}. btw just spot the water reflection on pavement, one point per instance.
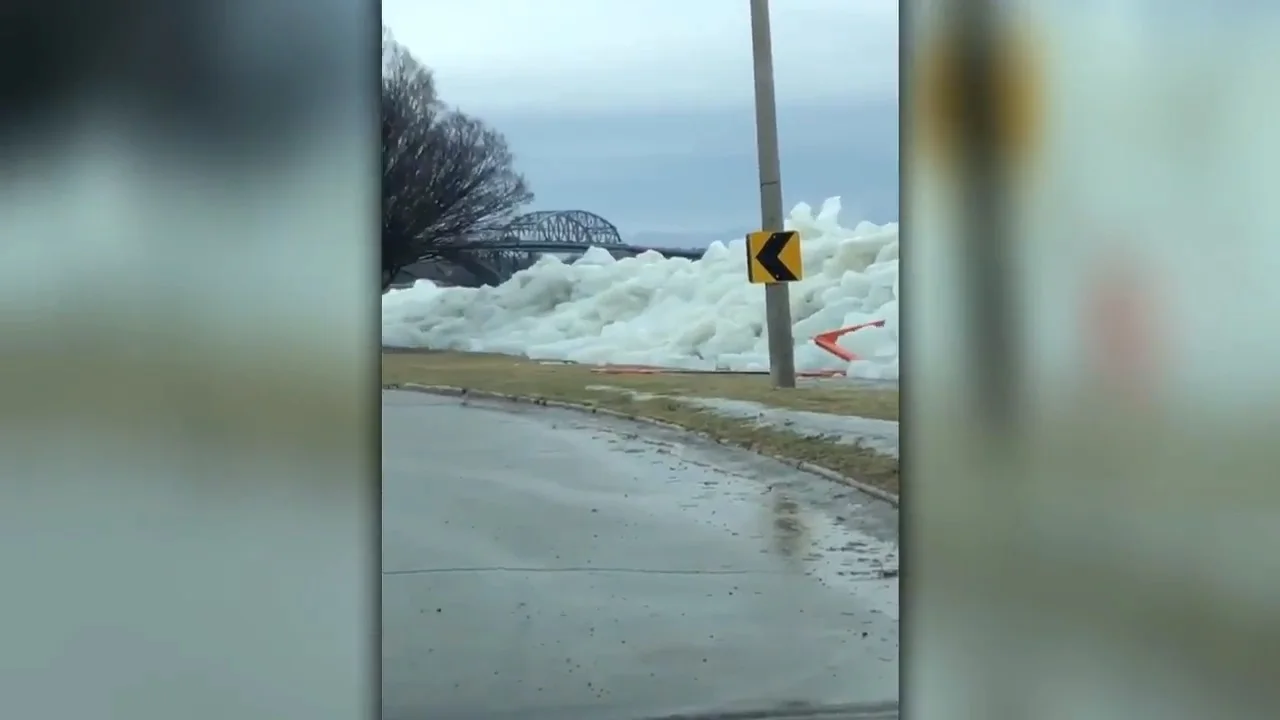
{"type": "Point", "coordinates": [542, 563]}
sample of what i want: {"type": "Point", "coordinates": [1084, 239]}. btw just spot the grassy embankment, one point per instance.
{"type": "Point", "coordinates": [579, 384]}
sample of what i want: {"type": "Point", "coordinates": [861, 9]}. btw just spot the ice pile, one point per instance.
{"type": "Point", "coordinates": [672, 312]}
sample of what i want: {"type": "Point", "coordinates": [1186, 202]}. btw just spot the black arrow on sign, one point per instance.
{"type": "Point", "coordinates": [769, 257]}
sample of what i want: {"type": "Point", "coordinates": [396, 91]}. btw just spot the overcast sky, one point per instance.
{"type": "Point", "coordinates": [642, 111]}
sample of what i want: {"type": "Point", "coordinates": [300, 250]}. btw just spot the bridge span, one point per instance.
{"type": "Point", "coordinates": [579, 247]}
{"type": "Point", "coordinates": [494, 259]}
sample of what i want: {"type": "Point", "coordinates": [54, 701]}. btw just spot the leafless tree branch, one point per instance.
{"type": "Point", "coordinates": [447, 178]}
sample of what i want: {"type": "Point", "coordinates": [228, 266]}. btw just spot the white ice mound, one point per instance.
{"type": "Point", "coordinates": [672, 312]}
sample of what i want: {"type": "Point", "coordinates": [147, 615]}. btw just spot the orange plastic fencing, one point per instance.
{"type": "Point", "coordinates": [656, 370]}
{"type": "Point", "coordinates": [827, 340]}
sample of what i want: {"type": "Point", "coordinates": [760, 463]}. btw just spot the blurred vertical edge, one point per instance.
{"type": "Point", "coordinates": [189, 453]}
{"type": "Point", "coordinates": [1091, 397]}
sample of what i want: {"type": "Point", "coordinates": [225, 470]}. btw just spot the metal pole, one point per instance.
{"type": "Point", "coordinates": [986, 238]}
{"type": "Point", "coordinates": [777, 297]}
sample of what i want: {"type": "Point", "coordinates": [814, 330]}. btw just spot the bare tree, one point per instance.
{"type": "Point", "coordinates": [447, 178]}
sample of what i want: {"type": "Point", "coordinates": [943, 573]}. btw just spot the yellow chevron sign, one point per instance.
{"type": "Point", "coordinates": [774, 257]}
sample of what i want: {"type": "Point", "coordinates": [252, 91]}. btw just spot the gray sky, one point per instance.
{"type": "Point", "coordinates": [642, 111]}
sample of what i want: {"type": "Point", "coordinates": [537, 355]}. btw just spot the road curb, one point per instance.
{"type": "Point", "coordinates": [832, 475]}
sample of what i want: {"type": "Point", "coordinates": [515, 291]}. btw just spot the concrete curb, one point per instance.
{"type": "Point", "coordinates": [450, 391]}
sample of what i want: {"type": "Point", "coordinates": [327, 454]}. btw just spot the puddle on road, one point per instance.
{"type": "Point", "coordinates": [790, 534]}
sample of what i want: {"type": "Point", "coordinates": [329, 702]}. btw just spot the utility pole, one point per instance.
{"type": "Point", "coordinates": [777, 297]}
{"type": "Point", "coordinates": [985, 156]}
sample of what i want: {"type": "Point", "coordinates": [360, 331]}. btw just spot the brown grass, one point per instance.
{"type": "Point", "coordinates": [570, 383]}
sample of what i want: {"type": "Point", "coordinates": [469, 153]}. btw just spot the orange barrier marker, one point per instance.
{"type": "Point", "coordinates": [1125, 337]}
{"type": "Point", "coordinates": [827, 340]}
{"type": "Point", "coordinates": [655, 370]}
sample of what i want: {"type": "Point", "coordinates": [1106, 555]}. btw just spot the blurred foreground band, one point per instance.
{"type": "Point", "coordinates": [188, 513]}
{"type": "Point", "coordinates": [1090, 221]}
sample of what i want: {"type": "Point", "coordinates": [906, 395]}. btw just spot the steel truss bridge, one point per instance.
{"type": "Point", "coordinates": [495, 259]}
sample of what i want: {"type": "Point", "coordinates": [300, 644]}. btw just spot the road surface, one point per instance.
{"type": "Point", "coordinates": [540, 563]}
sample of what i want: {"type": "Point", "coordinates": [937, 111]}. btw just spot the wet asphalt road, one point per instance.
{"type": "Point", "coordinates": [540, 563]}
